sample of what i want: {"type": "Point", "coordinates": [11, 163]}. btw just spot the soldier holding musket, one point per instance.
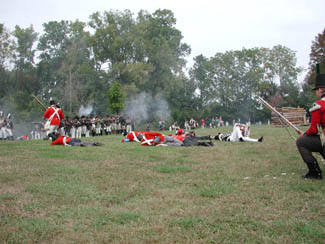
{"type": "Point", "coordinates": [310, 141]}
{"type": "Point", "coordinates": [67, 126]}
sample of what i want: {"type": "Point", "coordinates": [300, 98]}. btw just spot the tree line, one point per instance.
{"type": "Point", "coordinates": [115, 56]}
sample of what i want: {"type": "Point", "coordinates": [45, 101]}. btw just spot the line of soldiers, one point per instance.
{"type": "Point", "coordinates": [85, 126]}
{"type": "Point", "coordinates": [6, 127]}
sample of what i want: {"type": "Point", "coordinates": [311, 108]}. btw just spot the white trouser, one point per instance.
{"type": "Point", "coordinates": [4, 132]}
{"type": "Point", "coordinates": [78, 132]}
{"type": "Point", "coordinates": [8, 132]}
{"type": "Point", "coordinates": [37, 135]}
{"type": "Point", "coordinates": [83, 130]}
{"type": "Point", "coordinates": [236, 135]}
{"type": "Point", "coordinates": [73, 132]}
{"type": "Point", "coordinates": [53, 128]}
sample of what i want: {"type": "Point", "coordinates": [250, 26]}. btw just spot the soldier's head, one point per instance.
{"type": "Point", "coordinates": [319, 82]}
{"type": "Point", "coordinates": [139, 136]}
{"type": "Point", "coordinates": [157, 139]}
{"type": "Point", "coordinates": [320, 85]}
{"type": "Point", "coordinates": [52, 102]}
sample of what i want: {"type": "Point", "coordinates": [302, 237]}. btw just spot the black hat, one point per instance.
{"type": "Point", "coordinates": [320, 81]}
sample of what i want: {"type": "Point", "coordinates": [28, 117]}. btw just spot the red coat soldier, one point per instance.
{"type": "Point", "coordinates": [310, 141]}
{"type": "Point", "coordinates": [54, 115]}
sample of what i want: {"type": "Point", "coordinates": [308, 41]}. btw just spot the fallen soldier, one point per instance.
{"type": "Point", "coordinates": [240, 132]}
{"type": "Point", "coordinates": [147, 138]}
{"type": "Point", "coordinates": [132, 136]}
{"type": "Point", "coordinates": [169, 140]}
{"type": "Point", "coordinates": [186, 140]}
{"type": "Point", "coordinates": [67, 141]}
{"type": "Point", "coordinates": [192, 140]}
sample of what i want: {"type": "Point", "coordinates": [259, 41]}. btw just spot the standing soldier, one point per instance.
{"type": "Point", "coordinates": [43, 131]}
{"type": "Point", "coordinates": [54, 115]}
{"type": "Point", "coordinates": [73, 128]}
{"type": "Point", "coordinates": [93, 125]}
{"type": "Point", "coordinates": [9, 127]}
{"type": "Point", "coordinates": [128, 125]}
{"type": "Point", "coordinates": [98, 122]}
{"type": "Point", "coordinates": [310, 141]}
{"type": "Point", "coordinates": [67, 126]}
{"type": "Point", "coordinates": [2, 136]}
{"type": "Point", "coordinates": [37, 131]}
{"type": "Point", "coordinates": [78, 127]}
{"type": "Point", "coordinates": [83, 126]}
{"type": "Point", "coordinates": [113, 125]}
{"type": "Point", "coordinates": [88, 126]}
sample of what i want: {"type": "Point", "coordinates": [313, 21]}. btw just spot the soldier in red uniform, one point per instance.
{"type": "Point", "coordinates": [310, 141]}
{"type": "Point", "coordinates": [54, 115]}
{"type": "Point", "coordinates": [67, 141]}
{"type": "Point", "coordinates": [132, 136]}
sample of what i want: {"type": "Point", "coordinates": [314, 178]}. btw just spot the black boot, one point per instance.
{"type": "Point", "coordinates": [314, 171]}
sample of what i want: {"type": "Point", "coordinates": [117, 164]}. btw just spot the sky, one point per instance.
{"type": "Point", "coordinates": [207, 26]}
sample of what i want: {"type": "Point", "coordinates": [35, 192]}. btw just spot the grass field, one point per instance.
{"type": "Point", "coordinates": [125, 193]}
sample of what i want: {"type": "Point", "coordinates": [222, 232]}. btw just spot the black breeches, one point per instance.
{"type": "Point", "coordinates": [307, 145]}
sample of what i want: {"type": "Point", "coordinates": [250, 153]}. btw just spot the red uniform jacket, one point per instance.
{"type": "Point", "coordinates": [55, 114]}
{"type": "Point", "coordinates": [317, 117]}
{"type": "Point", "coordinates": [148, 137]}
{"type": "Point", "coordinates": [132, 136]}
{"type": "Point", "coordinates": [61, 140]}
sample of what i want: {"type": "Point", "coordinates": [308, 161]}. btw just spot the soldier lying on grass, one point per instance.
{"type": "Point", "coordinates": [240, 132]}
{"type": "Point", "coordinates": [67, 141]}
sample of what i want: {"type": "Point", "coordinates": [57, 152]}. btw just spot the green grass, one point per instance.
{"type": "Point", "coordinates": [126, 193]}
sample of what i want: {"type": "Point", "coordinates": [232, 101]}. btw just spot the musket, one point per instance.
{"type": "Point", "coordinates": [284, 119]}
{"type": "Point", "coordinates": [39, 102]}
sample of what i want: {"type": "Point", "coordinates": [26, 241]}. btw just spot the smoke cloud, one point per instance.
{"type": "Point", "coordinates": [144, 107]}
{"type": "Point", "coordinates": [85, 110]}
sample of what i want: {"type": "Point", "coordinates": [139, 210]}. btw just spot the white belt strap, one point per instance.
{"type": "Point", "coordinates": [135, 137]}
{"type": "Point", "coordinates": [145, 140]}
{"type": "Point", "coordinates": [55, 113]}
{"type": "Point", "coordinates": [65, 141]}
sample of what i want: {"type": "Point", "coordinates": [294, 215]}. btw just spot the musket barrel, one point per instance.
{"type": "Point", "coordinates": [39, 102]}
{"type": "Point", "coordinates": [278, 114]}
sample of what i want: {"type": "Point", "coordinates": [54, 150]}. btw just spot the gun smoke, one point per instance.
{"type": "Point", "coordinates": [85, 111]}
{"type": "Point", "coordinates": [145, 108]}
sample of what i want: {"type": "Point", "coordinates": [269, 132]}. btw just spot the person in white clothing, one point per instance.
{"type": "Point", "coordinates": [240, 132]}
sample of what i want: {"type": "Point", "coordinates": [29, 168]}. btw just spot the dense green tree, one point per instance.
{"type": "Point", "coordinates": [24, 73]}
{"type": "Point", "coordinates": [6, 87]}
{"type": "Point", "coordinates": [116, 98]}
{"type": "Point", "coordinates": [184, 101]}
{"type": "Point", "coordinates": [200, 74]}
{"type": "Point", "coordinates": [66, 66]}
{"type": "Point", "coordinates": [229, 82]}
{"type": "Point", "coordinates": [24, 54]}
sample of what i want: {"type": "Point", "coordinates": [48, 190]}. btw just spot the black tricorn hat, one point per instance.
{"type": "Point", "coordinates": [320, 81]}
